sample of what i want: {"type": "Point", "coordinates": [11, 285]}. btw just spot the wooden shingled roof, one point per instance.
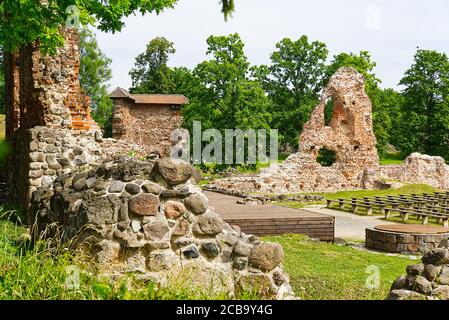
{"type": "Point", "coordinates": [170, 99]}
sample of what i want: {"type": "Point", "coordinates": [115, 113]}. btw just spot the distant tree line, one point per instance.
{"type": "Point", "coordinates": [227, 92]}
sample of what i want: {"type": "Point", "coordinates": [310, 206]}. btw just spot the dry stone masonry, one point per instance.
{"type": "Point", "coordinates": [151, 219]}
{"type": "Point", "coordinates": [350, 135]}
{"type": "Point", "coordinates": [428, 280]}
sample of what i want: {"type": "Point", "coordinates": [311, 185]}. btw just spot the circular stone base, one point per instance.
{"type": "Point", "coordinates": [405, 238]}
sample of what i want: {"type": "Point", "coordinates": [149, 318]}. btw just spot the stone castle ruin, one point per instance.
{"type": "Point", "coordinates": [147, 119]}
{"type": "Point", "coordinates": [144, 217]}
{"type": "Point", "coordinates": [349, 134]}
{"type": "Point", "coordinates": [48, 121]}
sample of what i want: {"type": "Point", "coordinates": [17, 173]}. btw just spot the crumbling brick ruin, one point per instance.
{"type": "Point", "coordinates": [350, 135]}
{"type": "Point", "coordinates": [47, 117]}
{"type": "Point", "coordinates": [142, 217]}
{"type": "Point", "coordinates": [147, 119]}
{"type": "Point", "coordinates": [350, 132]}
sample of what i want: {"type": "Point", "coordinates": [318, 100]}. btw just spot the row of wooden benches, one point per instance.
{"type": "Point", "coordinates": [423, 206]}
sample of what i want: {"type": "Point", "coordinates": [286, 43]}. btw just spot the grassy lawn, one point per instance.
{"type": "Point", "coordinates": [323, 271]}
{"type": "Point", "coordinates": [406, 189]}
{"type": "Point", "coordinates": [317, 271]}
{"type": "Point", "coordinates": [392, 158]}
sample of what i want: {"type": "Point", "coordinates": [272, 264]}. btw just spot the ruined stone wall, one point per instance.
{"type": "Point", "coordinates": [49, 86]}
{"type": "Point", "coordinates": [42, 91]}
{"type": "Point", "coordinates": [47, 153]}
{"type": "Point", "coordinates": [12, 109]}
{"type": "Point", "coordinates": [350, 132]}
{"type": "Point", "coordinates": [350, 135]}
{"type": "Point", "coordinates": [148, 125]}
{"type": "Point", "coordinates": [150, 219]}
{"type": "Point", "coordinates": [418, 168]}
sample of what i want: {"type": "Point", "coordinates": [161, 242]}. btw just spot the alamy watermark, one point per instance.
{"type": "Point", "coordinates": [236, 146]}
{"type": "Point", "coordinates": [373, 280]}
{"type": "Point", "coordinates": [72, 280]}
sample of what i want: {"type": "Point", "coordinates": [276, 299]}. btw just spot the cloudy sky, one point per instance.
{"type": "Point", "coordinates": [390, 30]}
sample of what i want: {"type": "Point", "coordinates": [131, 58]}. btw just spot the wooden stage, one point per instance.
{"type": "Point", "coordinates": [272, 220]}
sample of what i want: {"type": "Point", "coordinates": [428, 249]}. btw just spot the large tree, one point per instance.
{"type": "Point", "coordinates": [293, 82]}
{"type": "Point", "coordinates": [224, 95]}
{"type": "Point", "coordinates": [95, 73]}
{"type": "Point", "coordinates": [151, 73]}
{"type": "Point", "coordinates": [227, 95]}
{"type": "Point", "coordinates": [425, 120]}
{"type": "Point", "coordinates": [25, 21]}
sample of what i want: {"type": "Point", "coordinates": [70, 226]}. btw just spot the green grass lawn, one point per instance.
{"type": "Point", "coordinates": [317, 271]}
{"type": "Point", "coordinates": [406, 189]}
{"type": "Point", "coordinates": [392, 158]}
{"type": "Point", "coordinates": [324, 271]}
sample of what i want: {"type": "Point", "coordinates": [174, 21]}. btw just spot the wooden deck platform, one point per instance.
{"type": "Point", "coordinates": [272, 220]}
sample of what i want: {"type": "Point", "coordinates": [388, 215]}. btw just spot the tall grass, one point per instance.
{"type": "Point", "coordinates": [44, 270]}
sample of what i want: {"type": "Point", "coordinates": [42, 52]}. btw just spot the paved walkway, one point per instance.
{"type": "Point", "coordinates": [348, 225]}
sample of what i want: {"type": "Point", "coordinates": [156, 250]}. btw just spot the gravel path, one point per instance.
{"type": "Point", "coordinates": [348, 225]}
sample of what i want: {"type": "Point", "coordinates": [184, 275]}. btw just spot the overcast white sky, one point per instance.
{"type": "Point", "coordinates": [390, 30]}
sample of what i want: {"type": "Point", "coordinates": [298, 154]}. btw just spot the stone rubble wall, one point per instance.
{"type": "Point", "coordinates": [350, 132]}
{"type": "Point", "coordinates": [46, 90]}
{"type": "Point", "coordinates": [419, 168]}
{"type": "Point", "coordinates": [150, 219]}
{"type": "Point", "coordinates": [46, 153]}
{"type": "Point", "coordinates": [42, 91]}
{"type": "Point", "coordinates": [301, 173]}
{"type": "Point", "coordinates": [350, 135]}
{"type": "Point", "coordinates": [428, 280]}
{"type": "Point", "coordinates": [298, 173]}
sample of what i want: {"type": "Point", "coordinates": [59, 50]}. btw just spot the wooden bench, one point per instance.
{"type": "Point", "coordinates": [354, 205]}
{"type": "Point", "coordinates": [424, 215]}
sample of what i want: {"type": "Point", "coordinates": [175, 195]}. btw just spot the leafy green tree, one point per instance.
{"type": "Point", "coordinates": [224, 94]}
{"type": "Point", "coordinates": [25, 21]}
{"type": "Point", "coordinates": [293, 82]}
{"type": "Point", "coordinates": [184, 82]}
{"type": "Point", "coordinates": [18, 28]}
{"type": "Point", "coordinates": [95, 73]}
{"type": "Point", "coordinates": [392, 102]}
{"type": "Point", "coordinates": [228, 97]}
{"type": "Point", "coordinates": [151, 73]}
{"type": "Point", "coordinates": [425, 121]}
{"type": "Point", "coordinates": [381, 110]}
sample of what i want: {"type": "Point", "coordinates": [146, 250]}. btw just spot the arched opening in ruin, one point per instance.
{"type": "Point", "coordinates": [326, 157]}
{"type": "Point", "coordinates": [328, 111]}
